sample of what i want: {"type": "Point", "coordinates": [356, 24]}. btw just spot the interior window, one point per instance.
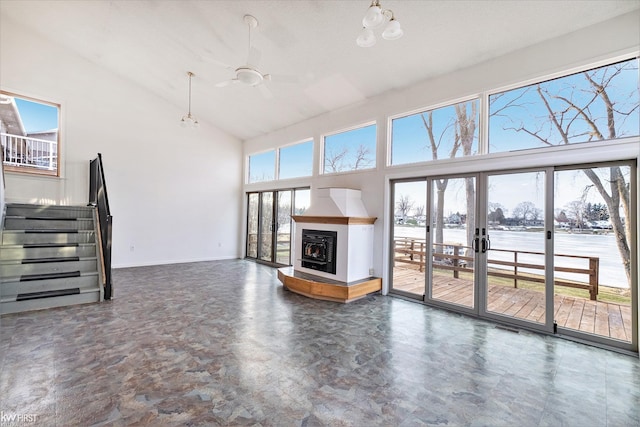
{"type": "Point", "coordinates": [29, 133]}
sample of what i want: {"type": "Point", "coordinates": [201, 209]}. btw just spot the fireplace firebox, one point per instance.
{"type": "Point", "coordinates": [319, 250]}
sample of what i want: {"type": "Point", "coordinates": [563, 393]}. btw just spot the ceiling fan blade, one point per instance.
{"type": "Point", "coordinates": [254, 57]}
{"type": "Point", "coordinates": [227, 83]}
{"type": "Point", "coordinates": [265, 91]}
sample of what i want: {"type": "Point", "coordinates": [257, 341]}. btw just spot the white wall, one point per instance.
{"type": "Point", "coordinates": [175, 193]}
{"type": "Point", "coordinates": [602, 42]}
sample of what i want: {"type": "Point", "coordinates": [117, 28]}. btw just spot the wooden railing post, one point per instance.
{"type": "Point", "coordinates": [411, 248]}
{"type": "Point", "coordinates": [594, 267]}
{"type": "Point", "coordinates": [515, 269]}
{"type": "Point", "coordinates": [456, 252]}
{"type": "Point", "coordinates": [422, 250]}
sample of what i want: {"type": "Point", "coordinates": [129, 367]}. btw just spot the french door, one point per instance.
{"type": "Point", "coordinates": [548, 249]}
{"type": "Point", "coordinates": [269, 224]}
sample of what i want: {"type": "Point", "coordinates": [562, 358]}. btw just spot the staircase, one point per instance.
{"type": "Point", "coordinates": [48, 258]}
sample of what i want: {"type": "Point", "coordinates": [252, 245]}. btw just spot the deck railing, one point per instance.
{"type": "Point", "coordinates": [32, 152]}
{"type": "Point", "coordinates": [453, 257]}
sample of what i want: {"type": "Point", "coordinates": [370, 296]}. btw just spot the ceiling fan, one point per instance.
{"type": "Point", "coordinates": [248, 74]}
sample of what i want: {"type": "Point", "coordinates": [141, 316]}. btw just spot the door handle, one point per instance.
{"type": "Point", "coordinates": [475, 245]}
{"type": "Point", "coordinates": [484, 245]}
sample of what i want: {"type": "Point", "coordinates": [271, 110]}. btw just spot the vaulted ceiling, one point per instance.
{"type": "Point", "coordinates": [307, 45]}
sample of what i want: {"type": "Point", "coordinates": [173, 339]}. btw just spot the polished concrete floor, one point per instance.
{"type": "Point", "coordinates": [222, 343]}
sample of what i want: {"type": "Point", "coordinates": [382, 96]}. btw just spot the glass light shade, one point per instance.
{"type": "Point", "coordinates": [366, 38]}
{"type": "Point", "coordinates": [373, 18]}
{"type": "Point", "coordinates": [392, 31]}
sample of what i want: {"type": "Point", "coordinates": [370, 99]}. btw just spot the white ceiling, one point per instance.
{"type": "Point", "coordinates": [155, 43]}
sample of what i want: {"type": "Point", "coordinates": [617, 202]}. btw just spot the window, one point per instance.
{"type": "Point", "coordinates": [597, 104]}
{"type": "Point", "coordinates": [351, 150]}
{"type": "Point", "coordinates": [29, 135]}
{"type": "Point", "coordinates": [262, 167]}
{"type": "Point", "coordinates": [446, 132]}
{"type": "Point", "coordinates": [296, 160]}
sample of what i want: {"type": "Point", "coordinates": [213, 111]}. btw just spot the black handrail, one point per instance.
{"type": "Point", "coordinates": [98, 197]}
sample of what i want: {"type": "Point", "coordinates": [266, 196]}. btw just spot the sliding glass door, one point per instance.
{"type": "Point", "coordinates": [269, 224]}
{"type": "Point", "coordinates": [516, 248]}
{"type": "Point", "coordinates": [451, 241]}
{"type": "Point", "coordinates": [549, 249]}
{"type": "Point", "coordinates": [594, 286]}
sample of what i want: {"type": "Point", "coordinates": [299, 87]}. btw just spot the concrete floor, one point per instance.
{"type": "Point", "coordinates": [222, 343]}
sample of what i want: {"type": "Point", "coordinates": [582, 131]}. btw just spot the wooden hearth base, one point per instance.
{"type": "Point", "coordinates": [325, 289]}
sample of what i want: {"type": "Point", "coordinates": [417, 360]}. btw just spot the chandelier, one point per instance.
{"type": "Point", "coordinates": [374, 18]}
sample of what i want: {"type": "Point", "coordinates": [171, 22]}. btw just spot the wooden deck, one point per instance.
{"type": "Point", "coordinates": [595, 317]}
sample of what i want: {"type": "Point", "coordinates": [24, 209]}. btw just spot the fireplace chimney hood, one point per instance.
{"type": "Point", "coordinates": [336, 202]}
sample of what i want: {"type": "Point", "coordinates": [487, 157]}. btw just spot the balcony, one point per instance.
{"type": "Point", "coordinates": [29, 155]}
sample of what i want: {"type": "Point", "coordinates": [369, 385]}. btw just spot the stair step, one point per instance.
{"type": "Point", "coordinates": [12, 286]}
{"type": "Point", "coordinates": [47, 218]}
{"type": "Point", "coordinates": [48, 260]}
{"type": "Point", "coordinates": [50, 245]}
{"type": "Point", "coordinates": [48, 294]}
{"type": "Point", "coordinates": [45, 276]}
{"type": "Point", "coordinates": [19, 209]}
{"type": "Point", "coordinates": [20, 267]}
{"type": "Point", "coordinates": [16, 237]}
{"type": "Point", "coordinates": [23, 223]}
{"type": "Point", "coordinates": [86, 296]}
{"type": "Point", "coordinates": [53, 230]}
{"type": "Point", "coordinates": [20, 252]}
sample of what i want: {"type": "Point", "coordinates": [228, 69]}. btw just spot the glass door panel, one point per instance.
{"type": "Point", "coordinates": [452, 256]}
{"type": "Point", "coordinates": [515, 246]}
{"type": "Point", "coordinates": [266, 227]}
{"type": "Point", "coordinates": [592, 241]}
{"type": "Point", "coordinates": [283, 229]}
{"type": "Point", "coordinates": [252, 225]}
{"type": "Point", "coordinates": [409, 238]}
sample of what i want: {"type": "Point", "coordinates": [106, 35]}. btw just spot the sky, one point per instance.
{"type": "Point", "coordinates": [36, 116]}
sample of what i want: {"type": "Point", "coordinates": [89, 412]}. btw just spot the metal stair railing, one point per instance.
{"type": "Point", "coordinates": [98, 198]}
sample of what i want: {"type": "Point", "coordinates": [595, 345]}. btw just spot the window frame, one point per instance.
{"type": "Point", "coordinates": [480, 125]}
{"type": "Point", "coordinates": [33, 170]}
{"type": "Point", "coordinates": [323, 138]}
{"type": "Point", "coordinates": [279, 159]}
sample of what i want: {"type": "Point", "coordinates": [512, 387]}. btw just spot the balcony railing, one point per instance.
{"type": "Point", "coordinates": [21, 151]}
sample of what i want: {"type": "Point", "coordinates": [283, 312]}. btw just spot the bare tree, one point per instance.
{"type": "Point", "coordinates": [590, 112]}
{"type": "Point", "coordinates": [363, 159]}
{"type": "Point", "coordinates": [465, 133]}
{"type": "Point", "coordinates": [418, 210]}
{"type": "Point", "coordinates": [404, 205]}
{"type": "Point", "coordinates": [464, 127]}
{"type": "Point", "coordinates": [441, 184]}
{"type": "Point", "coordinates": [575, 210]}
{"type": "Point", "coordinates": [526, 211]}
{"type": "Point", "coordinates": [333, 161]}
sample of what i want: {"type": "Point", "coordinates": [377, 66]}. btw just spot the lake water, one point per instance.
{"type": "Point", "coordinates": [602, 246]}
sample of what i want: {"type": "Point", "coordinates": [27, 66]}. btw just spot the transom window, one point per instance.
{"type": "Point", "coordinates": [350, 150]}
{"type": "Point", "coordinates": [292, 161]}
{"type": "Point", "coordinates": [441, 133]}
{"type": "Point", "coordinates": [594, 105]}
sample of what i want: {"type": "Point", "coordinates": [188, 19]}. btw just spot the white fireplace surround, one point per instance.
{"type": "Point", "coordinates": [340, 210]}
